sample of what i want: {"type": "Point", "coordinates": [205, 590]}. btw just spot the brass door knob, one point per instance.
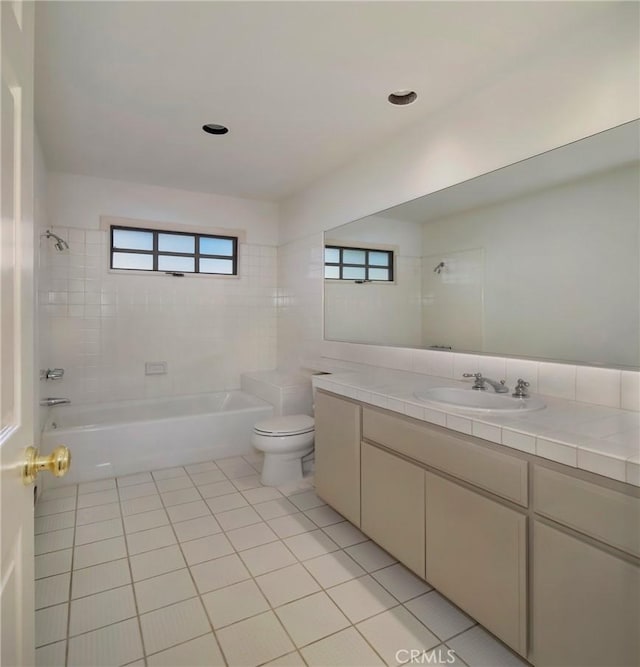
{"type": "Point", "coordinates": [57, 463]}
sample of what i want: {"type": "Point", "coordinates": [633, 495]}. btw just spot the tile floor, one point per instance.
{"type": "Point", "coordinates": [201, 565]}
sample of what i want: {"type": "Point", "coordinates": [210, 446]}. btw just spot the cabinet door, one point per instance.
{"type": "Point", "coordinates": [476, 556]}
{"type": "Point", "coordinates": [393, 505]}
{"type": "Point", "coordinates": [586, 603]}
{"type": "Point", "coordinates": [337, 454]}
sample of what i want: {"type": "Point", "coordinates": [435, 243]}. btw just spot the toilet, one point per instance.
{"type": "Point", "coordinates": [284, 441]}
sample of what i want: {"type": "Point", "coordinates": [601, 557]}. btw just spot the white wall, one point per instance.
{"type": "Point", "coordinates": [101, 327]}
{"type": "Point", "coordinates": [558, 98]}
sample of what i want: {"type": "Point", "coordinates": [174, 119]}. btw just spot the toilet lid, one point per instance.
{"type": "Point", "coordinates": [287, 425]}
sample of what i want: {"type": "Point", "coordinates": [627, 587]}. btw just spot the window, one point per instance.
{"type": "Point", "coordinates": [342, 263]}
{"type": "Point", "coordinates": [173, 252]}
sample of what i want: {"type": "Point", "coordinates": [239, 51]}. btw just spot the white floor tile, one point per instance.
{"type": "Point", "coordinates": [52, 563]}
{"type": "Point", "coordinates": [46, 507]}
{"type": "Point", "coordinates": [299, 486]}
{"type": "Point", "coordinates": [291, 524]}
{"type": "Point", "coordinates": [206, 548]}
{"type": "Point", "coordinates": [164, 590]}
{"type": "Point", "coordinates": [214, 574]}
{"type": "Point", "coordinates": [324, 516]}
{"type": "Point", "coordinates": [261, 494]}
{"type": "Point", "coordinates": [307, 500]}
{"type": "Point", "coordinates": [173, 625]}
{"type": "Point", "coordinates": [99, 552]}
{"type": "Point", "coordinates": [195, 528]}
{"type": "Point", "coordinates": [99, 498]}
{"type": "Point", "coordinates": [311, 618]}
{"type": "Point", "coordinates": [441, 617]}
{"type": "Point", "coordinates": [254, 641]}
{"type": "Point", "coordinates": [138, 505]}
{"type": "Point", "coordinates": [131, 480]}
{"type": "Point", "coordinates": [235, 469]}
{"type": "Point", "coordinates": [188, 511]}
{"type": "Point", "coordinates": [46, 524]}
{"type": "Point", "coordinates": [251, 536]}
{"type": "Point", "coordinates": [145, 521]}
{"type": "Point", "coordinates": [370, 556]}
{"type": "Point", "coordinates": [333, 569]}
{"type": "Point", "coordinates": [57, 492]}
{"type": "Point", "coordinates": [174, 484]}
{"type": "Point", "coordinates": [54, 541]}
{"type": "Point", "coordinates": [267, 558]}
{"type": "Point", "coordinates": [117, 644]}
{"type": "Point", "coordinates": [52, 590]}
{"type": "Point", "coordinates": [216, 489]}
{"type": "Point", "coordinates": [51, 624]}
{"type": "Point", "coordinates": [244, 516]}
{"type": "Point", "coordinates": [137, 491]}
{"type": "Point", "coordinates": [100, 578]}
{"type": "Point", "coordinates": [52, 655]}
{"type": "Point", "coordinates": [479, 649]}
{"type": "Point", "coordinates": [272, 509]}
{"type": "Point", "coordinates": [309, 545]}
{"type": "Point", "coordinates": [208, 477]}
{"type": "Point", "coordinates": [345, 534]}
{"type": "Point", "coordinates": [97, 514]}
{"type": "Point", "coordinates": [201, 652]}
{"type": "Point", "coordinates": [234, 603]}
{"type": "Point", "coordinates": [179, 497]}
{"type": "Point", "coordinates": [96, 611]}
{"type": "Point", "coordinates": [99, 485]}
{"type": "Point", "coordinates": [168, 473]}
{"type": "Point", "coordinates": [289, 660]}
{"type": "Point", "coordinates": [147, 540]}
{"type": "Point", "coordinates": [229, 501]}
{"type": "Point", "coordinates": [401, 582]}
{"type": "Point", "coordinates": [152, 563]}
{"type": "Point", "coordinates": [94, 532]}
{"type": "Point", "coordinates": [286, 585]}
{"type": "Point", "coordinates": [195, 468]}
{"type": "Point", "coordinates": [396, 629]}
{"type": "Point", "coordinates": [361, 598]}
{"type": "Point", "coordinates": [248, 482]}
{"type": "Point", "coordinates": [344, 649]}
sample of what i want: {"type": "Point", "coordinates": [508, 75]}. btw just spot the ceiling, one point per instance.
{"type": "Point", "coordinates": [123, 88]}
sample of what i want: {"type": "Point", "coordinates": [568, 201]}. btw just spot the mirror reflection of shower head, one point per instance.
{"type": "Point", "coordinates": [60, 243]}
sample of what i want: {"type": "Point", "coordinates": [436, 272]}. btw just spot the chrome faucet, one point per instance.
{"type": "Point", "coordinates": [52, 374]}
{"type": "Point", "coordinates": [51, 402]}
{"type": "Point", "coordinates": [480, 383]}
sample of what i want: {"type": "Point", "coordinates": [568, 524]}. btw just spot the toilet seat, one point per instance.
{"type": "Point", "coordinates": [277, 427]}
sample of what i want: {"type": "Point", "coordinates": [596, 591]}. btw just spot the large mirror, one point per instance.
{"type": "Point", "coordinates": [537, 260]}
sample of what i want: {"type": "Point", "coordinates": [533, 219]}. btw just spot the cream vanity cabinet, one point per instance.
{"type": "Point", "coordinates": [544, 556]}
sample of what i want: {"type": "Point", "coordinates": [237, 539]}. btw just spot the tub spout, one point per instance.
{"type": "Point", "coordinates": [51, 402]}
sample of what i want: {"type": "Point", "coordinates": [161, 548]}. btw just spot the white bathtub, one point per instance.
{"type": "Point", "coordinates": [123, 438]}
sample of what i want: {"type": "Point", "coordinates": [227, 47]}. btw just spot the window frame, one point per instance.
{"type": "Point", "coordinates": [341, 264]}
{"type": "Point", "coordinates": [155, 252]}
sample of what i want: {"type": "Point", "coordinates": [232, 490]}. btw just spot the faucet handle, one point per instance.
{"type": "Point", "coordinates": [477, 376]}
{"type": "Point", "coordinates": [521, 389]}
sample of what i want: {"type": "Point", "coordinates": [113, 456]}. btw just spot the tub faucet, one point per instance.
{"type": "Point", "coordinates": [51, 402]}
{"type": "Point", "coordinates": [480, 383]}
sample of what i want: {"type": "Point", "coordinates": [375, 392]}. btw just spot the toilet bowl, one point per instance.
{"type": "Point", "coordinates": [284, 441]}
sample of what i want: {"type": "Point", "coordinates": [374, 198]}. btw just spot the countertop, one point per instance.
{"type": "Point", "coordinates": [599, 439]}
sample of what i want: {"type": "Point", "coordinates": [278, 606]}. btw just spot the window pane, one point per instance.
{"type": "Point", "coordinates": [378, 274]}
{"type": "Point", "coordinates": [353, 273]}
{"type": "Point", "coordinates": [132, 240]}
{"type": "Point", "coordinates": [332, 255]}
{"type": "Point", "coordinates": [209, 246]}
{"type": "Point", "coordinates": [353, 256]}
{"type": "Point", "coordinates": [216, 266]}
{"type": "Point", "coordinates": [172, 263]}
{"type": "Point", "coordinates": [131, 260]}
{"type": "Point", "coordinates": [379, 258]}
{"type": "Point", "coordinates": [332, 272]}
{"type": "Point", "coordinates": [176, 243]}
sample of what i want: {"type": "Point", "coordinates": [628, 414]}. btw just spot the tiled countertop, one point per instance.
{"type": "Point", "coordinates": [599, 439]}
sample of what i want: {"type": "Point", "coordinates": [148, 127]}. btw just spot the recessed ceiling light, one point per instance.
{"type": "Point", "coordinates": [212, 128]}
{"type": "Point", "coordinates": [402, 97]}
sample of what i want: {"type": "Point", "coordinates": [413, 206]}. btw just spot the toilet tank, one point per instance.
{"type": "Point", "coordinates": [289, 393]}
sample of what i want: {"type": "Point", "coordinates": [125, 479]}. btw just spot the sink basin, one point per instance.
{"type": "Point", "coordinates": [482, 402]}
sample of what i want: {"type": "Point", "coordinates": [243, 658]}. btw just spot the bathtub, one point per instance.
{"type": "Point", "coordinates": [127, 437]}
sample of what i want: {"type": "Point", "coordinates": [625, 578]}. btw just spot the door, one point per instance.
{"type": "Point", "coordinates": [16, 333]}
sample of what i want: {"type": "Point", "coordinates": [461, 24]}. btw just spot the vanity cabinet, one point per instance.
{"type": "Point", "coordinates": [393, 505]}
{"type": "Point", "coordinates": [337, 454]}
{"type": "Point", "coordinates": [476, 555]}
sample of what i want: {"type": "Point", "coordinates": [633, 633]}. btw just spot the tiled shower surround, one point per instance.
{"type": "Point", "coordinates": [102, 327]}
{"type": "Point", "coordinates": [203, 565]}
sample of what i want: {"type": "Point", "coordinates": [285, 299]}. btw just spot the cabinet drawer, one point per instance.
{"type": "Point", "coordinates": [602, 513]}
{"type": "Point", "coordinates": [463, 457]}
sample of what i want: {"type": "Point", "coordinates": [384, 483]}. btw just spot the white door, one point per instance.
{"type": "Point", "coordinates": [16, 333]}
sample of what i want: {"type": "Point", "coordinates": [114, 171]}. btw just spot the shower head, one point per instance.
{"type": "Point", "coordinates": [60, 243]}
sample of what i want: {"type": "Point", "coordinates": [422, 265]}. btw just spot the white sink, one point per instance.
{"type": "Point", "coordinates": [483, 402]}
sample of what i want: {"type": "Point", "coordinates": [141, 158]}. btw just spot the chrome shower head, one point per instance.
{"type": "Point", "coordinates": [60, 243]}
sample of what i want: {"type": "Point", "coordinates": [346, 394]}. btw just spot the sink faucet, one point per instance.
{"type": "Point", "coordinates": [480, 383]}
